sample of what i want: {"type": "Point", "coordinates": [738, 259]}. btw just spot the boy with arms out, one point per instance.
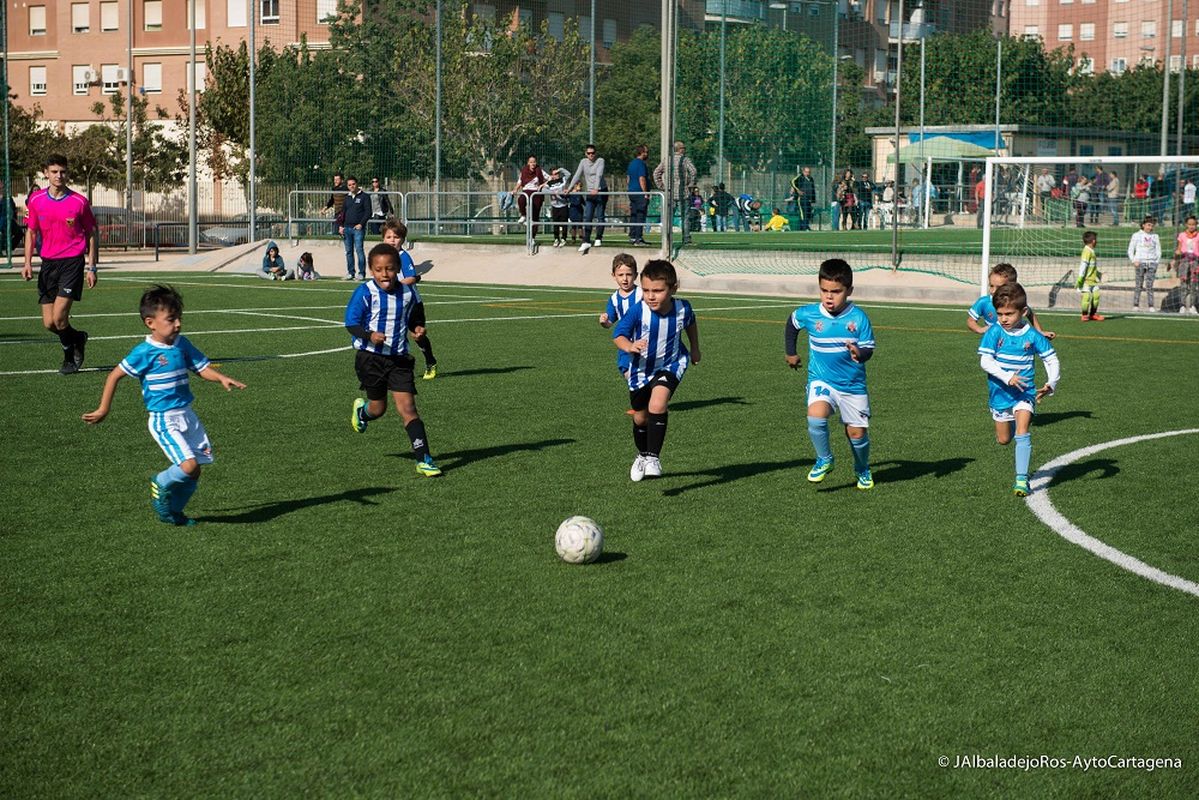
{"type": "Point", "coordinates": [161, 364]}
{"type": "Point", "coordinates": [652, 334]}
{"type": "Point", "coordinates": [627, 295]}
{"type": "Point", "coordinates": [395, 233]}
{"type": "Point", "coordinates": [379, 316]}
{"type": "Point", "coordinates": [840, 342]}
{"type": "Point", "coordinates": [62, 221]}
{"type": "Point", "coordinates": [1088, 278]}
{"type": "Point", "coordinates": [1006, 355]}
{"type": "Point", "coordinates": [981, 315]}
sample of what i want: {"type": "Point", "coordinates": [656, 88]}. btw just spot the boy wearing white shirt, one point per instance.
{"type": "Point", "coordinates": [1145, 253]}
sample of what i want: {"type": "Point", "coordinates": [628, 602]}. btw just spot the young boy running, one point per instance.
{"type": "Point", "coordinates": [981, 315]}
{"type": "Point", "coordinates": [1088, 278]}
{"type": "Point", "coordinates": [652, 334]}
{"type": "Point", "coordinates": [379, 316]}
{"type": "Point", "coordinates": [1006, 355]}
{"type": "Point", "coordinates": [395, 233]}
{"type": "Point", "coordinates": [840, 342]}
{"type": "Point", "coordinates": [627, 295]}
{"type": "Point", "coordinates": [161, 364]}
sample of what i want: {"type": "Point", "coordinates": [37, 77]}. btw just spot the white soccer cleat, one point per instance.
{"type": "Point", "coordinates": [599, 242]}
{"type": "Point", "coordinates": [653, 467]}
{"type": "Point", "coordinates": [637, 471]}
{"type": "Point", "coordinates": [584, 247]}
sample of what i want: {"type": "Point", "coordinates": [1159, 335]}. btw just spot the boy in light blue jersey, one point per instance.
{"type": "Point", "coordinates": [652, 334]}
{"type": "Point", "coordinates": [981, 315]}
{"type": "Point", "coordinates": [380, 314]}
{"type": "Point", "coordinates": [1006, 355]}
{"type": "Point", "coordinates": [395, 233]}
{"type": "Point", "coordinates": [840, 342]}
{"type": "Point", "coordinates": [161, 364]}
{"type": "Point", "coordinates": [627, 295]}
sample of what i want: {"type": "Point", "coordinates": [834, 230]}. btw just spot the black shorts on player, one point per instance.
{"type": "Point", "coordinates": [60, 277]}
{"type": "Point", "coordinates": [379, 374]}
{"type": "Point", "coordinates": [639, 398]}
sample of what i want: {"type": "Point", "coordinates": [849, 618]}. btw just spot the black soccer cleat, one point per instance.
{"type": "Point", "coordinates": [68, 366]}
{"type": "Point", "coordinates": [78, 350]}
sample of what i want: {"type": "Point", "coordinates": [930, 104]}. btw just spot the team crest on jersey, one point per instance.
{"type": "Point", "coordinates": [1028, 345]}
{"type": "Point", "coordinates": [852, 327]}
{"type": "Point", "coordinates": [819, 326]}
{"type": "Point", "coordinates": [162, 360]}
{"type": "Point", "coordinates": [1000, 344]}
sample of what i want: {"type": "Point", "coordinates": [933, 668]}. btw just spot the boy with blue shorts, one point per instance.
{"type": "Point", "coordinates": [1006, 355]}
{"type": "Point", "coordinates": [161, 364]}
{"type": "Point", "coordinates": [840, 342]}
{"type": "Point", "coordinates": [981, 315]}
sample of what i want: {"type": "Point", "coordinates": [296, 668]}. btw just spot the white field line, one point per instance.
{"type": "Point", "coordinates": [259, 283]}
{"type": "Point", "coordinates": [1040, 504]}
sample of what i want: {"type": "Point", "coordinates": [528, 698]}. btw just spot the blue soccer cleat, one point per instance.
{"type": "Point", "coordinates": [1020, 487]}
{"type": "Point", "coordinates": [865, 481]}
{"type": "Point", "coordinates": [160, 501]}
{"type": "Point", "coordinates": [820, 469]}
{"type": "Point", "coordinates": [427, 468]}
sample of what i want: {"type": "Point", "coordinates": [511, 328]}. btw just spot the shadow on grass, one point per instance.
{"type": "Point", "coordinates": [689, 405]}
{"type": "Point", "coordinates": [609, 557]}
{"type": "Point", "coordinates": [900, 471]}
{"type": "Point", "coordinates": [1106, 467]}
{"type": "Point", "coordinates": [265, 512]}
{"type": "Point", "coordinates": [1061, 416]}
{"type": "Point", "coordinates": [730, 473]}
{"type": "Point", "coordinates": [460, 458]}
{"type": "Point", "coordinates": [467, 373]}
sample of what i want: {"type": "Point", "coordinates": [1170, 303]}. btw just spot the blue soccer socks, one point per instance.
{"type": "Point", "coordinates": [861, 454]}
{"type": "Point", "coordinates": [818, 431]}
{"type": "Point", "coordinates": [169, 492]}
{"type": "Point", "coordinates": [1023, 454]}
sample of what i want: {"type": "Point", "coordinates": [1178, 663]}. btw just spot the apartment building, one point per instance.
{"type": "Point", "coordinates": [1112, 35]}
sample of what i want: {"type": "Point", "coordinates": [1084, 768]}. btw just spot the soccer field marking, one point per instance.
{"type": "Point", "coordinates": [259, 283]}
{"type": "Point", "coordinates": [1039, 503]}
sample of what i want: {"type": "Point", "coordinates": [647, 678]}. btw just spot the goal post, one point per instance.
{"type": "Point", "coordinates": [1035, 210]}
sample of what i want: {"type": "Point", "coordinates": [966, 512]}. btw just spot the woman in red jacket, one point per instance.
{"type": "Point", "coordinates": [532, 179]}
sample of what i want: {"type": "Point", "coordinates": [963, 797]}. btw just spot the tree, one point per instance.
{"type": "Point", "coordinates": [627, 97]}
{"type": "Point", "coordinates": [30, 141]}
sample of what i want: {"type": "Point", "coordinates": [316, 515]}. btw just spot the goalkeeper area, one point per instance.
{"type": "Point", "coordinates": [336, 625]}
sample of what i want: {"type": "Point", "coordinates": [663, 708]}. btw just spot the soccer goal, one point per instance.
{"type": "Point", "coordinates": [1035, 210]}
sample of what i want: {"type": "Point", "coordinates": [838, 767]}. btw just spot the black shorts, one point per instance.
{"type": "Point", "coordinates": [639, 398]}
{"type": "Point", "coordinates": [60, 277]}
{"type": "Point", "coordinates": [379, 375]}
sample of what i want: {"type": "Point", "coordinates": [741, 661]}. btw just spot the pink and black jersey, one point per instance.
{"type": "Point", "coordinates": [64, 223]}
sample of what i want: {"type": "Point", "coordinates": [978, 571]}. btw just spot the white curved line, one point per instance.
{"type": "Point", "coordinates": [1040, 504]}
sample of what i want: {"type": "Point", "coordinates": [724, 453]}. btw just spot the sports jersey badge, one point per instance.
{"type": "Point", "coordinates": [1028, 345]}
{"type": "Point", "coordinates": [819, 326]}
{"type": "Point", "coordinates": [852, 327]}
{"type": "Point", "coordinates": [162, 360]}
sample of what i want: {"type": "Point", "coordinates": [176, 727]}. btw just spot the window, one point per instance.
{"type": "Point", "coordinates": [235, 13]}
{"type": "Point", "coordinates": [585, 28]}
{"type": "Point", "coordinates": [201, 22]}
{"type": "Point", "coordinates": [1086, 66]}
{"type": "Point", "coordinates": [270, 12]}
{"type": "Point", "coordinates": [1197, 27]}
{"type": "Point", "coordinates": [1120, 30]}
{"type": "Point", "coordinates": [1176, 63]}
{"type": "Point", "coordinates": [109, 78]}
{"type": "Point", "coordinates": [1032, 31]}
{"type": "Point", "coordinates": [80, 18]}
{"type": "Point", "coordinates": [1118, 66]}
{"type": "Point", "coordinates": [1176, 28]}
{"type": "Point", "coordinates": [609, 32]}
{"type": "Point", "coordinates": [37, 20]}
{"type": "Point", "coordinates": [1088, 2]}
{"type": "Point", "coordinates": [326, 10]}
{"type": "Point", "coordinates": [80, 75]}
{"type": "Point", "coordinates": [1148, 28]}
{"type": "Point", "coordinates": [109, 17]}
{"type": "Point", "coordinates": [1086, 31]}
{"type": "Point", "coordinates": [1066, 2]}
{"type": "Point", "coordinates": [1115, 150]}
{"type": "Point", "coordinates": [37, 81]}
{"type": "Point", "coordinates": [1032, 2]}
{"type": "Point", "coordinates": [200, 73]}
{"type": "Point", "coordinates": [152, 10]}
{"type": "Point", "coordinates": [1195, 62]}
{"type": "Point", "coordinates": [1086, 150]}
{"type": "Point", "coordinates": [152, 78]}
{"type": "Point", "coordinates": [1065, 32]}
{"type": "Point", "coordinates": [555, 23]}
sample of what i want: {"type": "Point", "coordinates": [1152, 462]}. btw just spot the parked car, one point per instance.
{"type": "Point", "coordinates": [110, 221]}
{"type": "Point", "coordinates": [237, 230]}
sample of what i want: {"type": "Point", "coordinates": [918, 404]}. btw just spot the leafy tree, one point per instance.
{"type": "Point", "coordinates": [157, 157]}
{"type": "Point", "coordinates": [1132, 101]}
{"type": "Point", "coordinates": [29, 142]}
{"type": "Point", "coordinates": [627, 98]}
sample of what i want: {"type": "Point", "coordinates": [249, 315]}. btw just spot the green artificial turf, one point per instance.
{"type": "Point", "coordinates": [337, 625]}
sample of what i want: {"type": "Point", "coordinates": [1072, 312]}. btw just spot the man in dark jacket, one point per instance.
{"type": "Point", "coordinates": [356, 210]}
{"type": "Point", "coordinates": [380, 206]}
{"type": "Point", "coordinates": [337, 199]}
{"type": "Point", "coordinates": [803, 188]}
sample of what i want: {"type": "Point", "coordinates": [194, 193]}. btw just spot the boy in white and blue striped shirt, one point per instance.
{"type": "Point", "coordinates": [840, 342]}
{"type": "Point", "coordinates": [1006, 354]}
{"type": "Point", "coordinates": [379, 316]}
{"type": "Point", "coordinates": [627, 295]}
{"type": "Point", "coordinates": [161, 363]}
{"type": "Point", "coordinates": [651, 333]}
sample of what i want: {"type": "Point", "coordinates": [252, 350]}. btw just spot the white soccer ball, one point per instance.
{"type": "Point", "coordinates": [579, 540]}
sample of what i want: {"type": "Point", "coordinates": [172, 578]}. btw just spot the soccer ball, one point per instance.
{"type": "Point", "coordinates": [579, 540]}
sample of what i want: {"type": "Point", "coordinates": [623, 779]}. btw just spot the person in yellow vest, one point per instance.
{"type": "Point", "coordinates": [1088, 278]}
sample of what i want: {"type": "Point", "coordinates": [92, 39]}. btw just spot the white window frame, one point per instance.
{"type": "Point", "coordinates": [110, 16]}
{"type": "Point", "coordinates": [609, 33]}
{"type": "Point", "coordinates": [326, 10]}
{"type": "Point", "coordinates": [81, 18]}
{"type": "Point", "coordinates": [1065, 32]}
{"type": "Point", "coordinates": [1148, 29]}
{"type": "Point", "coordinates": [1176, 28]}
{"type": "Point", "coordinates": [37, 81]}
{"type": "Point", "coordinates": [1086, 31]}
{"type": "Point", "coordinates": [1176, 63]}
{"type": "Point", "coordinates": [1119, 30]}
{"type": "Point", "coordinates": [1032, 31]}
{"type": "Point", "coordinates": [37, 20]}
{"type": "Point", "coordinates": [1086, 66]}
{"type": "Point", "coordinates": [109, 78]}
{"type": "Point", "coordinates": [265, 16]}
{"type": "Point", "coordinates": [152, 15]}
{"type": "Point", "coordinates": [236, 14]}
{"type": "Point", "coordinates": [199, 72]}
{"type": "Point", "coordinates": [80, 85]}
{"type": "Point", "coordinates": [1118, 66]}
{"type": "Point", "coordinates": [148, 70]}
{"type": "Point", "coordinates": [201, 14]}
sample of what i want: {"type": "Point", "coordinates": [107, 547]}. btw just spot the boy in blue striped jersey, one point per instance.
{"type": "Point", "coordinates": [652, 334]}
{"type": "Point", "coordinates": [161, 364]}
{"type": "Point", "coordinates": [981, 315]}
{"type": "Point", "coordinates": [1006, 355]}
{"type": "Point", "coordinates": [395, 233]}
{"type": "Point", "coordinates": [840, 342]}
{"type": "Point", "coordinates": [379, 316]}
{"type": "Point", "coordinates": [627, 295]}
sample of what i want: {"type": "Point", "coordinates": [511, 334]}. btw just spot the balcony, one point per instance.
{"type": "Point", "coordinates": [911, 32]}
{"type": "Point", "coordinates": [736, 10]}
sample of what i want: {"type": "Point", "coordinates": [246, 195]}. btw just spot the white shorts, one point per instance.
{"type": "Point", "coordinates": [853, 409]}
{"type": "Point", "coordinates": [180, 435]}
{"type": "Point", "coordinates": [1009, 414]}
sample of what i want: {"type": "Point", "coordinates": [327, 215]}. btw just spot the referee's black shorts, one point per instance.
{"type": "Point", "coordinates": [60, 277]}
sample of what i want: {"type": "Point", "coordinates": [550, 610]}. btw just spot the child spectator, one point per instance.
{"type": "Point", "coordinates": [1145, 253]}
{"type": "Point", "coordinates": [395, 233]}
{"type": "Point", "coordinates": [627, 295]}
{"type": "Point", "coordinates": [575, 213]}
{"type": "Point", "coordinates": [652, 334]}
{"type": "Point", "coordinates": [273, 266]}
{"type": "Point", "coordinates": [1186, 261]}
{"type": "Point", "coordinates": [380, 314]}
{"type": "Point", "coordinates": [981, 315]}
{"type": "Point", "coordinates": [559, 203]}
{"type": "Point", "coordinates": [777, 222]}
{"type": "Point", "coordinates": [161, 364]}
{"type": "Point", "coordinates": [840, 342]}
{"type": "Point", "coordinates": [305, 269]}
{"type": "Point", "coordinates": [721, 203]}
{"type": "Point", "coordinates": [1006, 355]}
{"type": "Point", "coordinates": [1088, 278]}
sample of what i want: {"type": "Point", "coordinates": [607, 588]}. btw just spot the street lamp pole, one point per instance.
{"type": "Point", "coordinates": [1166, 76]}
{"type": "Point", "coordinates": [193, 228]}
{"type": "Point", "coordinates": [720, 134]}
{"type": "Point", "coordinates": [898, 84]}
{"type": "Point", "coordinates": [591, 84]}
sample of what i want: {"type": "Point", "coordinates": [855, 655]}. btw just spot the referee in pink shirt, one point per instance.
{"type": "Point", "coordinates": [64, 221]}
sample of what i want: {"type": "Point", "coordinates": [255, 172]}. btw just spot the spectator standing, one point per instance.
{"type": "Point", "coordinates": [682, 177]}
{"type": "Point", "coordinates": [1140, 190]}
{"type": "Point", "coordinates": [528, 191]}
{"type": "Point", "coordinates": [589, 175]}
{"type": "Point", "coordinates": [1043, 187]}
{"type": "Point", "coordinates": [638, 173]}
{"type": "Point", "coordinates": [380, 206]}
{"type": "Point", "coordinates": [355, 213]}
{"type": "Point", "coordinates": [805, 188]}
{"type": "Point", "coordinates": [1080, 194]}
{"type": "Point", "coordinates": [849, 200]}
{"type": "Point", "coordinates": [721, 204]}
{"type": "Point", "coordinates": [1098, 194]}
{"type": "Point", "coordinates": [1113, 196]}
{"type": "Point", "coordinates": [980, 200]}
{"type": "Point", "coordinates": [865, 196]}
{"type": "Point", "coordinates": [1188, 198]}
{"type": "Point", "coordinates": [337, 200]}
